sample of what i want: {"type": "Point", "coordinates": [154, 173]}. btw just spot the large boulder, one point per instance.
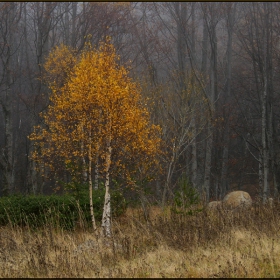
{"type": "Point", "coordinates": [214, 205]}
{"type": "Point", "coordinates": [237, 200]}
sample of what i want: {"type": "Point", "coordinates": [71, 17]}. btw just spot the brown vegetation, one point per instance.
{"type": "Point", "coordinates": [162, 244]}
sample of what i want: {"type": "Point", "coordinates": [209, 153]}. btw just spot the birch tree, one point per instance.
{"type": "Point", "coordinates": [98, 96]}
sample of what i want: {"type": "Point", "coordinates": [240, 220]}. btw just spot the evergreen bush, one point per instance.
{"type": "Point", "coordinates": [56, 210]}
{"type": "Point", "coordinates": [186, 198]}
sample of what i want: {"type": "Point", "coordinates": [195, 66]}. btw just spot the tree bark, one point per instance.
{"type": "Point", "coordinates": [208, 158]}
{"type": "Point", "coordinates": [74, 32]}
{"type": "Point", "coordinates": [106, 217]}
{"type": "Point", "coordinates": [224, 172]}
{"type": "Point", "coordinates": [194, 153]}
{"type": "Point", "coordinates": [213, 92]}
{"type": "Point", "coordinates": [193, 118]}
{"type": "Point", "coordinates": [9, 66]}
{"type": "Point", "coordinates": [264, 142]}
{"type": "Point", "coordinates": [264, 100]}
{"type": "Point", "coordinates": [96, 173]}
{"type": "Point", "coordinates": [67, 24]}
{"type": "Point", "coordinates": [169, 175]}
{"type": "Point", "coordinates": [260, 174]}
{"type": "Point", "coordinates": [90, 183]}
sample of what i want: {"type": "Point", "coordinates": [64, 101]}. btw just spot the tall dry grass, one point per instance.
{"type": "Point", "coordinates": [160, 244]}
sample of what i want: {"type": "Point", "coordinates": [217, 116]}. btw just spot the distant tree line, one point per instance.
{"type": "Point", "coordinates": [210, 73]}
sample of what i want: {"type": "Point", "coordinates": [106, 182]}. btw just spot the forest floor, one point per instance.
{"type": "Point", "coordinates": [207, 244]}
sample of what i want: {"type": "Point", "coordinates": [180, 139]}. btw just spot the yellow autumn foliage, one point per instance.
{"type": "Point", "coordinates": [94, 99]}
{"type": "Point", "coordinates": [58, 66]}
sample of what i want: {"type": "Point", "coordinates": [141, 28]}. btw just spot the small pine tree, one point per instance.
{"type": "Point", "coordinates": [186, 198]}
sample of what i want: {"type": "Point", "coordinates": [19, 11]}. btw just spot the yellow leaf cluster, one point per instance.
{"type": "Point", "coordinates": [94, 101]}
{"type": "Point", "coordinates": [58, 66]}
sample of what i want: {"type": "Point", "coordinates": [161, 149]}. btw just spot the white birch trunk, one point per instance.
{"type": "Point", "coordinates": [85, 175]}
{"type": "Point", "coordinates": [90, 184]}
{"type": "Point", "coordinates": [106, 217]}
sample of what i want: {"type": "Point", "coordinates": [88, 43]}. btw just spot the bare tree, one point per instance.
{"type": "Point", "coordinates": [10, 16]}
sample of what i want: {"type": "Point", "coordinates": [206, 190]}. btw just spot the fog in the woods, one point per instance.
{"type": "Point", "coordinates": [210, 71]}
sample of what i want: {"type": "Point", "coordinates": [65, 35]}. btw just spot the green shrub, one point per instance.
{"type": "Point", "coordinates": [59, 211]}
{"type": "Point", "coordinates": [118, 202]}
{"type": "Point", "coordinates": [186, 199]}
{"type": "Point", "coordinates": [36, 211]}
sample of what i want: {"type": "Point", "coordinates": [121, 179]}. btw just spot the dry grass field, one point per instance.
{"type": "Point", "coordinates": [162, 244]}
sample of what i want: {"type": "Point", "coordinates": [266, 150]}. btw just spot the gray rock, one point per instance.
{"type": "Point", "coordinates": [237, 200]}
{"type": "Point", "coordinates": [214, 205]}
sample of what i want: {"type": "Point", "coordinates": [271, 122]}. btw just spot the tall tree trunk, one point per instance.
{"type": "Point", "coordinates": [204, 47]}
{"type": "Point", "coordinates": [264, 142]}
{"type": "Point", "coordinates": [194, 153]}
{"type": "Point", "coordinates": [180, 9]}
{"type": "Point", "coordinates": [96, 174]}
{"type": "Point", "coordinates": [106, 217]}
{"type": "Point", "coordinates": [260, 174]}
{"type": "Point", "coordinates": [73, 31]}
{"type": "Point", "coordinates": [213, 93]}
{"type": "Point", "coordinates": [272, 152]}
{"type": "Point", "coordinates": [32, 180]}
{"type": "Point", "coordinates": [90, 183]}
{"type": "Point", "coordinates": [193, 118]}
{"type": "Point", "coordinates": [43, 17]}
{"type": "Point", "coordinates": [224, 172]}
{"type": "Point", "coordinates": [208, 158]}
{"type": "Point", "coordinates": [169, 175]}
{"type": "Point", "coordinates": [84, 171]}
{"type": "Point", "coordinates": [7, 101]}
{"type": "Point", "coordinates": [206, 182]}
{"type": "Point", "coordinates": [264, 100]}
{"type": "Point", "coordinates": [67, 24]}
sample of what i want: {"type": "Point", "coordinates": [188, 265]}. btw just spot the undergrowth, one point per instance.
{"type": "Point", "coordinates": [162, 244]}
